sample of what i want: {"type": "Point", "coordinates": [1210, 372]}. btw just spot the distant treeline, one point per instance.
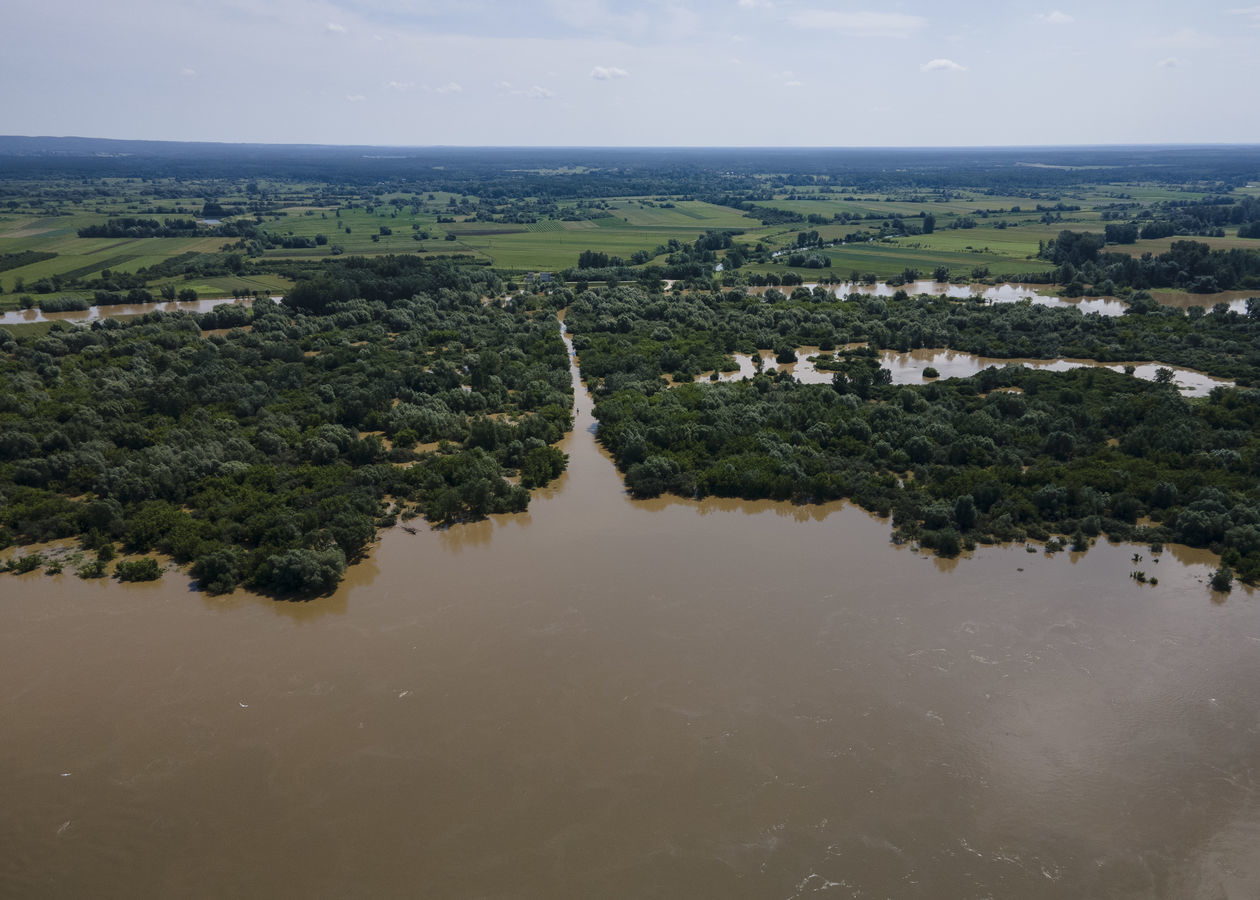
{"type": "Point", "coordinates": [691, 261]}
{"type": "Point", "coordinates": [1189, 265]}
{"type": "Point", "coordinates": [133, 227]}
{"type": "Point", "coordinates": [555, 173]}
{"type": "Point", "coordinates": [23, 258]}
{"type": "Point", "coordinates": [1206, 218]}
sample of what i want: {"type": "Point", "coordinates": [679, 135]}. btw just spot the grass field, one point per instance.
{"type": "Point", "coordinates": [829, 204]}
{"type": "Point", "coordinates": [29, 329]}
{"type": "Point", "coordinates": [350, 217]}
{"type": "Point", "coordinates": [224, 286]}
{"type": "Point", "coordinates": [78, 256]}
{"type": "Point", "coordinates": [551, 245]}
{"type": "Point", "coordinates": [886, 259]}
{"type": "Point", "coordinates": [1014, 244]}
{"type": "Point", "coordinates": [1162, 245]}
{"type": "Point", "coordinates": [685, 214]}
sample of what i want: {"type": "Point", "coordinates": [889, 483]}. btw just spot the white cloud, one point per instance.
{"type": "Point", "coordinates": [794, 83]}
{"type": "Point", "coordinates": [755, 4]}
{"type": "Point", "coordinates": [1171, 63]}
{"type": "Point", "coordinates": [400, 85]}
{"type": "Point", "coordinates": [865, 24]}
{"type": "Point", "coordinates": [336, 28]}
{"type": "Point", "coordinates": [188, 73]}
{"type": "Point", "coordinates": [507, 89]}
{"type": "Point", "coordinates": [1055, 18]}
{"type": "Point", "coordinates": [355, 98]}
{"type": "Point", "coordinates": [942, 65]}
{"type": "Point", "coordinates": [608, 73]}
{"type": "Point", "coordinates": [451, 87]}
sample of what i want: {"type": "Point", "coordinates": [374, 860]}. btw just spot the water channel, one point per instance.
{"type": "Point", "coordinates": [908, 367]}
{"type": "Point", "coordinates": [609, 698]}
{"type": "Point", "coordinates": [1000, 293]}
{"type": "Point", "coordinates": [92, 313]}
{"type": "Point", "coordinates": [1010, 292]}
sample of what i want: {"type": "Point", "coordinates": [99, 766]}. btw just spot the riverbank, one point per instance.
{"type": "Point", "coordinates": [609, 697]}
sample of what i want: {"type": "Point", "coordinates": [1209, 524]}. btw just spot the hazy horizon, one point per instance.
{"type": "Point", "coordinates": [603, 73]}
{"type": "Point", "coordinates": [772, 148]}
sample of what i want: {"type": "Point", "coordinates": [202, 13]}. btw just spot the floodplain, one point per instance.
{"type": "Point", "coordinates": [629, 522]}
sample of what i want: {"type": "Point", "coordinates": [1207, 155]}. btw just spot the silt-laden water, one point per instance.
{"type": "Point", "coordinates": [607, 698]}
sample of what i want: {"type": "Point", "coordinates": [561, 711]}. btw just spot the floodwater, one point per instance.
{"type": "Point", "coordinates": [1011, 292]}
{"type": "Point", "coordinates": [92, 313]}
{"type": "Point", "coordinates": [997, 293]}
{"type": "Point", "coordinates": [1000, 293]}
{"type": "Point", "coordinates": [607, 698]}
{"type": "Point", "coordinates": [908, 367]}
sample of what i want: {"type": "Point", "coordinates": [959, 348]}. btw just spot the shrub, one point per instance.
{"type": "Point", "coordinates": [144, 569]}
{"type": "Point", "coordinates": [1223, 579]}
{"type": "Point", "coordinates": [24, 564]}
{"type": "Point", "coordinates": [93, 569]}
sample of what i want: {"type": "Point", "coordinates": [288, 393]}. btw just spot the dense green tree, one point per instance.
{"type": "Point", "coordinates": [263, 456]}
{"type": "Point", "coordinates": [1010, 453]}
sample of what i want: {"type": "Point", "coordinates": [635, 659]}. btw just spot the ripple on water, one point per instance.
{"type": "Point", "coordinates": [740, 701]}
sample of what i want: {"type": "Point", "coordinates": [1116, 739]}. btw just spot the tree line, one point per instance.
{"type": "Point", "coordinates": [268, 456]}
{"type": "Point", "coordinates": [1010, 454]}
{"type": "Point", "coordinates": [1188, 265]}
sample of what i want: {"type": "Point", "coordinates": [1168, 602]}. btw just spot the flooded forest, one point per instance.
{"type": "Point", "coordinates": [673, 565]}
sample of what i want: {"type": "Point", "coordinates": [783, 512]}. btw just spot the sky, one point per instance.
{"type": "Point", "coordinates": [645, 73]}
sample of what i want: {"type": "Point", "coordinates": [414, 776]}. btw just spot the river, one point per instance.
{"type": "Point", "coordinates": [611, 698]}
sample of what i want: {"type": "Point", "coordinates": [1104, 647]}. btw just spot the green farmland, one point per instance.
{"type": "Point", "coordinates": [259, 233]}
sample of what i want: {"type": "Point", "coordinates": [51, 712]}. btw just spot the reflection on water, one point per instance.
{"type": "Point", "coordinates": [658, 698]}
{"type": "Point", "coordinates": [294, 610]}
{"type": "Point", "coordinates": [1236, 301]}
{"type": "Point", "coordinates": [1000, 293]}
{"type": "Point", "coordinates": [92, 313]}
{"type": "Point", "coordinates": [908, 368]}
{"type": "Point", "coordinates": [1010, 292]}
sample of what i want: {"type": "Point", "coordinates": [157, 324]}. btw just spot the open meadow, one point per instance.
{"type": "Point", "coordinates": [85, 231]}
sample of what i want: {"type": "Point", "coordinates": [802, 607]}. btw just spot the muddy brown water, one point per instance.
{"type": "Point", "coordinates": [607, 698]}
{"type": "Point", "coordinates": [1036, 294]}
{"type": "Point", "coordinates": [1007, 292]}
{"type": "Point", "coordinates": [92, 313]}
{"type": "Point", "coordinates": [1000, 293]}
{"type": "Point", "coordinates": [908, 367]}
